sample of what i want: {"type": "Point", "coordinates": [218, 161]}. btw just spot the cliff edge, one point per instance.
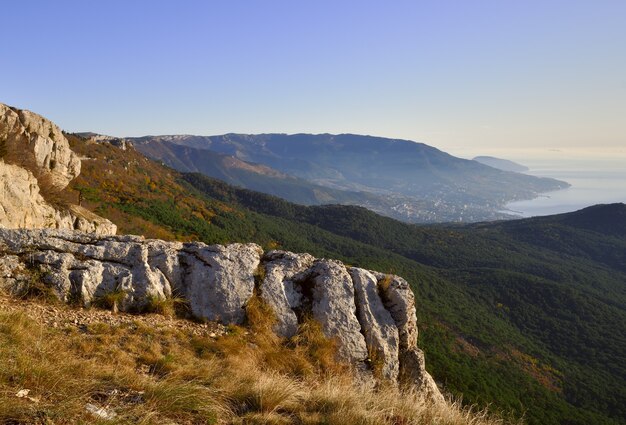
{"type": "Point", "coordinates": [36, 164]}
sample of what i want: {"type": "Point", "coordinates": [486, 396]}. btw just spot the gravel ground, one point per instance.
{"type": "Point", "coordinates": [63, 315]}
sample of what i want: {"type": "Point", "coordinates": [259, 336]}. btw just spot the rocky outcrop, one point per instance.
{"type": "Point", "coordinates": [81, 219]}
{"type": "Point", "coordinates": [36, 163]}
{"type": "Point", "coordinates": [22, 206]}
{"type": "Point", "coordinates": [280, 287]}
{"type": "Point", "coordinates": [371, 315]}
{"type": "Point", "coordinates": [218, 280]}
{"type": "Point", "coordinates": [38, 145]}
{"type": "Point", "coordinates": [399, 301]}
{"type": "Point", "coordinates": [380, 327]}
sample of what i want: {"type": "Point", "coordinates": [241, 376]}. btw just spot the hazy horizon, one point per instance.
{"type": "Point", "coordinates": [475, 76]}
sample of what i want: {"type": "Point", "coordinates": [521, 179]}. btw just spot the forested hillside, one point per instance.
{"type": "Point", "coordinates": [527, 316]}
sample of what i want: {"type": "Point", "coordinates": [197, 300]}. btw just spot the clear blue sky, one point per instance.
{"type": "Point", "coordinates": [454, 74]}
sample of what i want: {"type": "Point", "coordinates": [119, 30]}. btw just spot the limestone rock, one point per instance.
{"type": "Point", "coordinates": [85, 221]}
{"type": "Point", "coordinates": [35, 143]}
{"type": "Point", "coordinates": [164, 260]}
{"type": "Point", "coordinates": [12, 273]}
{"type": "Point", "coordinates": [333, 306]}
{"type": "Point", "coordinates": [399, 300]}
{"type": "Point", "coordinates": [21, 205]}
{"type": "Point", "coordinates": [379, 328]}
{"type": "Point", "coordinates": [36, 160]}
{"type": "Point", "coordinates": [280, 290]}
{"type": "Point", "coordinates": [220, 280]}
{"type": "Point", "coordinates": [413, 373]}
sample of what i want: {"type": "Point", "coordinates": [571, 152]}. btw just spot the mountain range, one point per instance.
{"type": "Point", "coordinates": [402, 179]}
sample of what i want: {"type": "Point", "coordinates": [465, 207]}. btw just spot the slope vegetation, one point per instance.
{"type": "Point", "coordinates": [252, 176]}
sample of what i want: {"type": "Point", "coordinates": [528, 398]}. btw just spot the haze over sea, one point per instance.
{"type": "Point", "coordinates": [596, 178]}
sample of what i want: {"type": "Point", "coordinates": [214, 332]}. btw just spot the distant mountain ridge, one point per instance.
{"type": "Point", "coordinates": [501, 164]}
{"type": "Point", "coordinates": [246, 174]}
{"type": "Point", "coordinates": [417, 182]}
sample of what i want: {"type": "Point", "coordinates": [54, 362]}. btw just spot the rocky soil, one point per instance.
{"type": "Point", "coordinates": [63, 316]}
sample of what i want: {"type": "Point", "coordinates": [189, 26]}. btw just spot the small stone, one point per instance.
{"type": "Point", "coordinates": [100, 412]}
{"type": "Point", "coordinates": [22, 393]}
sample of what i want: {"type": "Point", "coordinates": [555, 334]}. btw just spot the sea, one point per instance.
{"type": "Point", "coordinates": [594, 179]}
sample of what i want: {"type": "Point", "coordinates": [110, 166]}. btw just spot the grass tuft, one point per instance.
{"type": "Point", "coordinates": [110, 300]}
{"type": "Point", "coordinates": [168, 307]}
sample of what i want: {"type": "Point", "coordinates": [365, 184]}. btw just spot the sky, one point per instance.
{"type": "Point", "coordinates": [464, 76]}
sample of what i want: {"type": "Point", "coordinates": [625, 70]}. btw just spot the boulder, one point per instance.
{"type": "Point", "coordinates": [218, 280]}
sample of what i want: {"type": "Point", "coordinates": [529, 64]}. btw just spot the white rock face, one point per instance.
{"type": "Point", "coordinates": [38, 145]}
{"type": "Point", "coordinates": [399, 300]}
{"type": "Point", "coordinates": [21, 205]}
{"type": "Point", "coordinates": [379, 328]}
{"type": "Point", "coordinates": [333, 305]}
{"type": "Point", "coordinates": [219, 280]}
{"type": "Point", "coordinates": [36, 160]}
{"type": "Point", "coordinates": [371, 315]}
{"type": "Point", "coordinates": [83, 220]}
{"type": "Point", "coordinates": [280, 290]}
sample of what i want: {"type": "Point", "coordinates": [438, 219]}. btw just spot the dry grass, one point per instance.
{"type": "Point", "coordinates": [158, 376]}
{"type": "Point", "coordinates": [168, 307]}
{"type": "Point", "coordinates": [111, 300]}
